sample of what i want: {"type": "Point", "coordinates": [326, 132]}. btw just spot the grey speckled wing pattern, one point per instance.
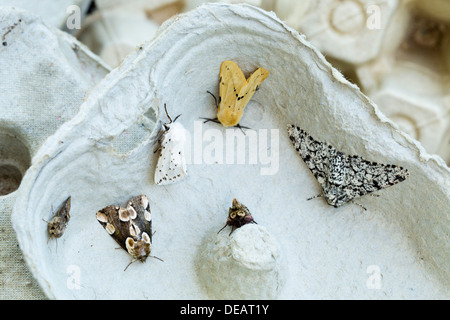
{"type": "Point", "coordinates": [342, 177]}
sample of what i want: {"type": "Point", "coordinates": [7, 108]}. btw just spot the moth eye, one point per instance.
{"type": "Point", "coordinates": [233, 215]}
{"type": "Point", "coordinates": [131, 212]}
{"type": "Point", "coordinates": [241, 213]}
{"type": "Point", "coordinates": [145, 237]}
{"type": "Point", "coordinates": [102, 217]}
{"type": "Point", "coordinates": [124, 214]}
{"type": "Point", "coordinates": [110, 228]}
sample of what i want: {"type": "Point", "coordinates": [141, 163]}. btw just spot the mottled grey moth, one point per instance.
{"type": "Point", "coordinates": [58, 224]}
{"type": "Point", "coordinates": [131, 227]}
{"type": "Point", "coordinates": [238, 215]}
{"type": "Point", "coordinates": [342, 177]}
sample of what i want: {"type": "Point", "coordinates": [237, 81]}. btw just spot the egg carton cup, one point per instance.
{"type": "Point", "coordinates": [44, 76]}
{"type": "Point", "coordinates": [395, 250]}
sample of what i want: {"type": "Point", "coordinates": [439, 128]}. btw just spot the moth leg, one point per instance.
{"type": "Point", "coordinates": [222, 228]}
{"type": "Point", "coordinates": [129, 264]}
{"type": "Point", "coordinates": [374, 195]}
{"type": "Point", "coordinates": [241, 127]}
{"type": "Point", "coordinates": [315, 197]}
{"type": "Point", "coordinates": [358, 204]}
{"type": "Point", "coordinates": [212, 120]}
{"type": "Point", "coordinates": [158, 141]}
{"type": "Point", "coordinates": [215, 99]}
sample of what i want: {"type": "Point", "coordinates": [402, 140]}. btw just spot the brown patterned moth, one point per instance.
{"type": "Point", "coordinates": [131, 227]}
{"type": "Point", "coordinates": [58, 223]}
{"type": "Point", "coordinates": [238, 215]}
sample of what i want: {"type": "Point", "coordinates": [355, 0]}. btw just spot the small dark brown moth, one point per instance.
{"type": "Point", "coordinates": [131, 227]}
{"type": "Point", "coordinates": [238, 215]}
{"type": "Point", "coordinates": [58, 224]}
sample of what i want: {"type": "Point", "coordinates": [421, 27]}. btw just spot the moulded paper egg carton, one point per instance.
{"type": "Point", "coordinates": [316, 251]}
{"type": "Point", "coordinates": [44, 76]}
{"type": "Point", "coordinates": [397, 51]}
{"type": "Point", "coordinates": [382, 47]}
{"type": "Point", "coordinates": [52, 12]}
{"type": "Point", "coordinates": [117, 28]}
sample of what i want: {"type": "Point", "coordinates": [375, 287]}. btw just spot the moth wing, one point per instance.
{"type": "Point", "coordinates": [231, 81]}
{"type": "Point", "coordinates": [64, 211]}
{"type": "Point", "coordinates": [171, 166]}
{"type": "Point", "coordinates": [142, 219]}
{"type": "Point", "coordinates": [366, 177]}
{"type": "Point", "coordinates": [314, 153]}
{"type": "Point", "coordinates": [247, 91]}
{"type": "Point", "coordinates": [59, 221]}
{"type": "Point", "coordinates": [108, 217]}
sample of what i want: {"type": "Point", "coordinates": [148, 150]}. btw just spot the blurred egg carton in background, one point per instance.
{"type": "Point", "coordinates": [396, 51]}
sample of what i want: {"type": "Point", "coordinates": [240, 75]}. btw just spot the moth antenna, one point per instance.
{"type": "Point", "coordinates": [129, 264]}
{"type": "Point", "coordinates": [157, 258]}
{"type": "Point", "coordinates": [176, 117]}
{"type": "Point", "coordinates": [222, 228]}
{"type": "Point", "coordinates": [358, 204]}
{"type": "Point", "coordinates": [165, 108]}
{"type": "Point", "coordinates": [315, 197]}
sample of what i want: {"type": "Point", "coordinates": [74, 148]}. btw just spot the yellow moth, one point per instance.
{"type": "Point", "coordinates": [236, 91]}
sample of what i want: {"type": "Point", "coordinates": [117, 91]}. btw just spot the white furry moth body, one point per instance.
{"type": "Point", "coordinates": [342, 177]}
{"type": "Point", "coordinates": [131, 227]}
{"type": "Point", "coordinates": [171, 166]}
